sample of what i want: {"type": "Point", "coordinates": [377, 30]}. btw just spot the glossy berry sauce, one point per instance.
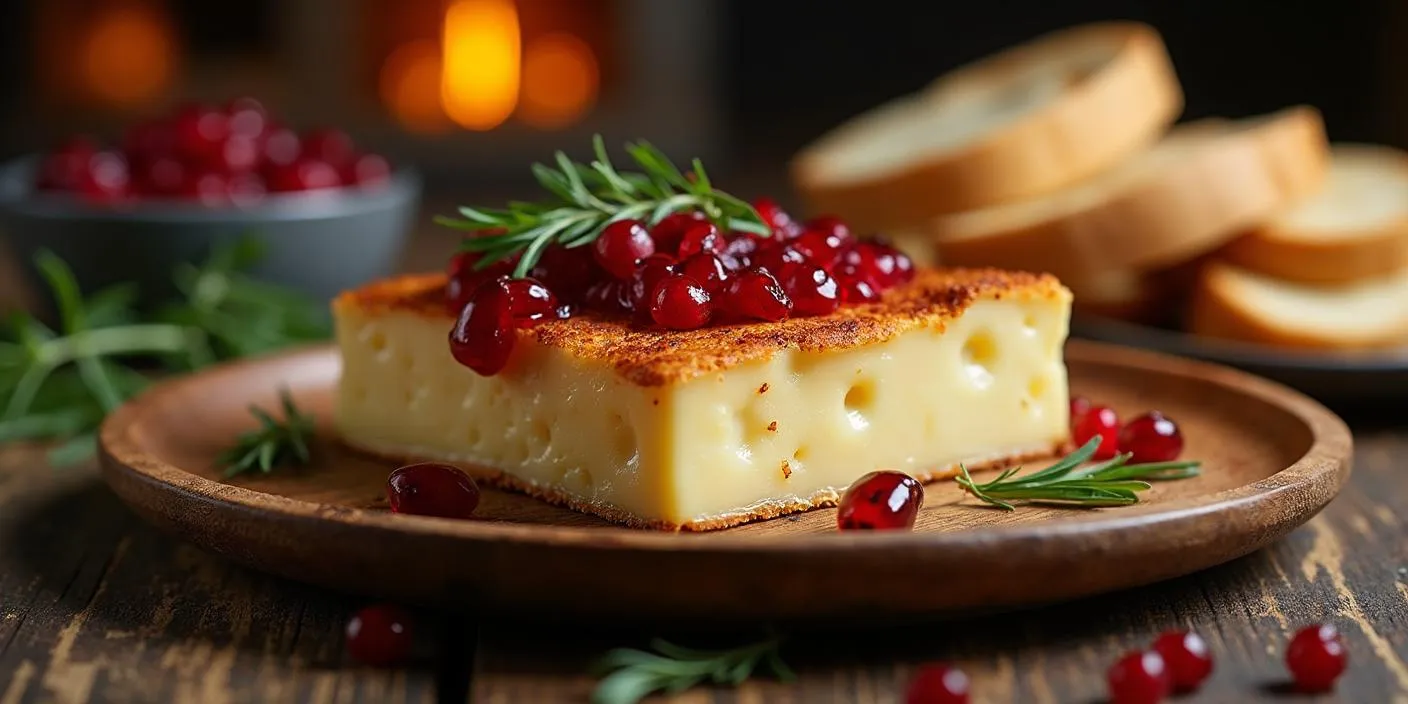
{"type": "Point", "coordinates": [682, 273]}
{"type": "Point", "coordinates": [882, 500]}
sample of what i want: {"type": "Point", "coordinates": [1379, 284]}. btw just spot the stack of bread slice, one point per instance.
{"type": "Point", "coordinates": [1061, 155]}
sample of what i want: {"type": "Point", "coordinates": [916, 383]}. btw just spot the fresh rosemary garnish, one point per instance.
{"type": "Point", "coordinates": [56, 385]}
{"type": "Point", "coordinates": [1111, 482]}
{"type": "Point", "coordinates": [273, 443]}
{"type": "Point", "coordinates": [633, 674]}
{"type": "Point", "coordinates": [585, 198]}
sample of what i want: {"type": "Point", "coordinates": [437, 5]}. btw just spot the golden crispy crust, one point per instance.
{"type": "Point", "coordinates": [500, 479]}
{"type": "Point", "coordinates": [653, 357]}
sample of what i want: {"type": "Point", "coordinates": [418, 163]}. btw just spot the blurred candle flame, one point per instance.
{"type": "Point", "coordinates": [560, 80]}
{"type": "Point", "coordinates": [128, 54]}
{"type": "Point", "coordinates": [480, 76]}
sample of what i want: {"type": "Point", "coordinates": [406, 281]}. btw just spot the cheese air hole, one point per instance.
{"type": "Point", "coordinates": [801, 454]}
{"type": "Point", "coordinates": [860, 398]}
{"type": "Point", "coordinates": [377, 341]}
{"type": "Point", "coordinates": [1036, 388]}
{"type": "Point", "coordinates": [979, 354]}
{"type": "Point", "coordinates": [623, 439]}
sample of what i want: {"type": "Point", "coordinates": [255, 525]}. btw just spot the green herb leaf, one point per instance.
{"type": "Point", "coordinates": [631, 675]}
{"type": "Point", "coordinates": [1112, 482]}
{"type": "Point", "coordinates": [273, 443]}
{"type": "Point", "coordinates": [585, 198]}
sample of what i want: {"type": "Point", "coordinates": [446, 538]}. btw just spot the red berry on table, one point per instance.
{"type": "Point", "coordinates": [701, 238]}
{"type": "Point", "coordinates": [379, 635]}
{"type": "Point", "coordinates": [1187, 658]}
{"type": "Point", "coordinates": [1151, 438]}
{"type": "Point", "coordinates": [484, 334]}
{"type": "Point", "coordinates": [432, 489]}
{"type": "Point", "coordinates": [1102, 422]}
{"type": "Point", "coordinates": [1316, 657]}
{"type": "Point", "coordinates": [304, 175]}
{"type": "Point", "coordinates": [1080, 406]}
{"type": "Point", "coordinates": [330, 145]}
{"type": "Point", "coordinates": [281, 147]}
{"type": "Point", "coordinates": [669, 232]}
{"type": "Point", "coordinates": [680, 303]}
{"type": "Point", "coordinates": [247, 117]}
{"type": "Point", "coordinates": [1139, 678]}
{"type": "Point", "coordinates": [532, 302]}
{"type": "Point", "coordinates": [812, 290]}
{"type": "Point", "coordinates": [881, 500]}
{"type": "Point", "coordinates": [367, 170]}
{"type": "Point", "coordinates": [200, 130]}
{"type": "Point", "coordinates": [938, 683]}
{"type": "Point", "coordinates": [755, 294]}
{"type": "Point", "coordinates": [621, 245]}
{"type": "Point", "coordinates": [707, 269]}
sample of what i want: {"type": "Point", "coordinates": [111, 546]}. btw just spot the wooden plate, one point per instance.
{"type": "Point", "coordinates": [1273, 458]}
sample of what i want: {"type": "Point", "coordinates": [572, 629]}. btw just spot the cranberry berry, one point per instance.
{"type": "Point", "coordinates": [1151, 438]}
{"type": "Point", "coordinates": [531, 302]}
{"type": "Point", "coordinates": [484, 334]}
{"type": "Point", "coordinates": [812, 290]}
{"type": "Point", "coordinates": [379, 635]}
{"type": "Point", "coordinates": [1316, 658]}
{"type": "Point", "coordinates": [1139, 678]}
{"type": "Point", "coordinates": [621, 245]}
{"type": "Point", "coordinates": [882, 500]}
{"type": "Point", "coordinates": [680, 303]}
{"type": "Point", "coordinates": [1101, 422]}
{"type": "Point", "coordinates": [701, 238]}
{"type": "Point", "coordinates": [938, 683]}
{"type": "Point", "coordinates": [1187, 658]}
{"type": "Point", "coordinates": [1080, 406]}
{"type": "Point", "coordinates": [432, 489]}
{"type": "Point", "coordinates": [756, 295]}
{"type": "Point", "coordinates": [669, 232]}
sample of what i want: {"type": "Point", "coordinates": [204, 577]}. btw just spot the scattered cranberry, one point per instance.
{"type": "Point", "coordinates": [379, 635]}
{"type": "Point", "coordinates": [532, 302]}
{"type": "Point", "coordinates": [881, 500]}
{"type": "Point", "coordinates": [330, 145]}
{"type": "Point", "coordinates": [432, 489]}
{"type": "Point", "coordinates": [680, 303]}
{"type": "Point", "coordinates": [1139, 678]}
{"type": "Point", "coordinates": [1102, 422]}
{"type": "Point", "coordinates": [1080, 406]}
{"type": "Point", "coordinates": [1151, 438]}
{"type": "Point", "coordinates": [1187, 658]}
{"type": "Point", "coordinates": [484, 334]}
{"type": "Point", "coordinates": [1316, 657]}
{"type": "Point", "coordinates": [621, 245]}
{"type": "Point", "coordinates": [304, 175]}
{"type": "Point", "coordinates": [812, 290]}
{"type": "Point", "coordinates": [756, 294]}
{"type": "Point", "coordinates": [938, 684]}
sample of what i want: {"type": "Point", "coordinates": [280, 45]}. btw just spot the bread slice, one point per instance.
{"type": "Point", "coordinates": [1355, 228]}
{"type": "Point", "coordinates": [1233, 303]}
{"type": "Point", "coordinates": [1199, 187]}
{"type": "Point", "coordinates": [1152, 297]}
{"type": "Point", "coordinates": [1022, 122]}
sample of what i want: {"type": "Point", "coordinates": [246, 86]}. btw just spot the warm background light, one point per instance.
{"type": "Point", "coordinates": [410, 87]}
{"type": "Point", "coordinates": [481, 69]}
{"type": "Point", "coordinates": [560, 80]}
{"type": "Point", "coordinates": [128, 54]}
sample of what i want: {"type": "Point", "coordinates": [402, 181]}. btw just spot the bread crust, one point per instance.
{"type": "Point", "coordinates": [1283, 248]}
{"type": "Point", "coordinates": [654, 357]}
{"type": "Point", "coordinates": [1207, 182]}
{"type": "Point", "coordinates": [1100, 117]}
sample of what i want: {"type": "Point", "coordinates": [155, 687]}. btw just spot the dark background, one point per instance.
{"type": "Point", "coordinates": [789, 69]}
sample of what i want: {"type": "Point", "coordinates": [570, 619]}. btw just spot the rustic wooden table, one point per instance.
{"type": "Point", "coordinates": [97, 607]}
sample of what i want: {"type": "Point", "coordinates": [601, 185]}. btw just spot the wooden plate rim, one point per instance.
{"type": "Point", "coordinates": [1312, 480]}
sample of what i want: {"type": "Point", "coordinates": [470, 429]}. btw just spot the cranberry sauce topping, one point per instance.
{"type": "Point", "coordinates": [683, 273]}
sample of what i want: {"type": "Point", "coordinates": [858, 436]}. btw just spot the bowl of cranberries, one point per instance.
{"type": "Point", "coordinates": [330, 215]}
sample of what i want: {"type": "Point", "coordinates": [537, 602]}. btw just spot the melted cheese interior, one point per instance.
{"type": "Point", "coordinates": [781, 433]}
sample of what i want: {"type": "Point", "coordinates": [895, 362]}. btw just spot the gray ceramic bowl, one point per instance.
{"type": "Point", "coordinates": [318, 242]}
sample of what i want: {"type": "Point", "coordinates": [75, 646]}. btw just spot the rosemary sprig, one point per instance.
{"type": "Point", "coordinates": [273, 443]}
{"type": "Point", "coordinates": [585, 198]}
{"type": "Point", "coordinates": [57, 384]}
{"type": "Point", "coordinates": [1111, 482]}
{"type": "Point", "coordinates": [633, 674]}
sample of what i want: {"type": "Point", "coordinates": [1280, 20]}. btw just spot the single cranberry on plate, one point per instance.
{"type": "Point", "coordinates": [938, 683]}
{"type": "Point", "coordinates": [680, 303]}
{"type": "Point", "coordinates": [484, 333]}
{"type": "Point", "coordinates": [1102, 422]}
{"type": "Point", "coordinates": [379, 635]}
{"type": "Point", "coordinates": [621, 245]}
{"type": "Point", "coordinates": [1139, 678]}
{"type": "Point", "coordinates": [432, 489]}
{"type": "Point", "coordinates": [1080, 406]}
{"type": "Point", "coordinates": [756, 295]}
{"type": "Point", "coordinates": [1316, 658]}
{"type": "Point", "coordinates": [1151, 437]}
{"type": "Point", "coordinates": [1187, 658]}
{"type": "Point", "coordinates": [881, 500]}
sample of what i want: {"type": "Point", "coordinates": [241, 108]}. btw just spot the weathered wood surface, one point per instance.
{"type": "Point", "coordinates": [97, 607]}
